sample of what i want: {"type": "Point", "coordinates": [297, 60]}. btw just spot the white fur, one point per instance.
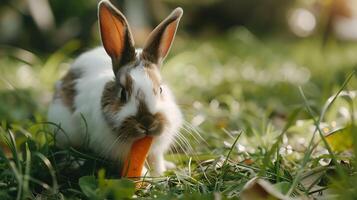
{"type": "Point", "coordinates": [96, 69]}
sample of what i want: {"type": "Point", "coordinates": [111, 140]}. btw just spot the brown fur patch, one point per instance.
{"type": "Point", "coordinates": [152, 72]}
{"type": "Point", "coordinates": [129, 84]}
{"type": "Point", "coordinates": [110, 102]}
{"type": "Point", "coordinates": [67, 90]}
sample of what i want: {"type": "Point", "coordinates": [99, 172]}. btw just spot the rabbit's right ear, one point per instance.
{"type": "Point", "coordinates": [116, 36]}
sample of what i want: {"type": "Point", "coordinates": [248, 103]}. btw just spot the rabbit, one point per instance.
{"type": "Point", "coordinates": [114, 95]}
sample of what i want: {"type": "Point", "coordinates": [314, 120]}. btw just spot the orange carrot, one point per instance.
{"type": "Point", "coordinates": [134, 163]}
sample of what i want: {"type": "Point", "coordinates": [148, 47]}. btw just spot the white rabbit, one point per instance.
{"type": "Point", "coordinates": [114, 95]}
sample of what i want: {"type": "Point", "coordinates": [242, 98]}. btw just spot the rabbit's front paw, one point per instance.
{"type": "Point", "coordinates": [169, 165]}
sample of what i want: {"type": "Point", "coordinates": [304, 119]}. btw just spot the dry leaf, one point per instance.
{"type": "Point", "coordinates": [259, 189]}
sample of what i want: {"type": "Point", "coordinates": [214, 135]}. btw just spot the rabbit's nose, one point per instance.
{"type": "Point", "coordinates": [147, 121]}
{"type": "Point", "coordinates": [149, 125]}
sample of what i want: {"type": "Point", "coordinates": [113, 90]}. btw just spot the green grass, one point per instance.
{"type": "Point", "coordinates": [256, 111]}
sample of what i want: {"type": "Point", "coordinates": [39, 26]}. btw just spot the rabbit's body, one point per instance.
{"type": "Point", "coordinates": [82, 122]}
{"type": "Point", "coordinates": [109, 111]}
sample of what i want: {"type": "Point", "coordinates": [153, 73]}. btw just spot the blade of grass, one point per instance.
{"type": "Point", "coordinates": [330, 101]}
{"type": "Point", "coordinates": [26, 175]}
{"type": "Point", "coordinates": [17, 167]}
{"type": "Point", "coordinates": [48, 164]}
{"type": "Point", "coordinates": [86, 140]}
{"type": "Point", "coordinates": [317, 125]}
{"type": "Point", "coordinates": [224, 168]}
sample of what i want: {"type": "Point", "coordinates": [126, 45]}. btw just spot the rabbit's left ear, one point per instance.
{"type": "Point", "coordinates": [116, 35]}
{"type": "Point", "coordinates": [160, 40]}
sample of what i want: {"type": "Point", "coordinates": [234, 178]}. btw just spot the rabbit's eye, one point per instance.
{"type": "Point", "coordinates": [160, 90]}
{"type": "Point", "coordinates": [123, 95]}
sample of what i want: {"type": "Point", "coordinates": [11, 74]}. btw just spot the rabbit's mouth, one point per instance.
{"type": "Point", "coordinates": [150, 125]}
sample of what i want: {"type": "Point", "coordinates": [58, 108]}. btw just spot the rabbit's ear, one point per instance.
{"type": "Point", "coordinates": [116, 36]}
{"type": "Point", "coordinates": [160, 39]}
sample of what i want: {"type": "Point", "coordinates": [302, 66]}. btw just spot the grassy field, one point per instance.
{"type": "Point", "coordinates": [257, 111]}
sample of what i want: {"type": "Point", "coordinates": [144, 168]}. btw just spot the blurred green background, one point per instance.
{"type": "Point", "coordinates": [46, 25]}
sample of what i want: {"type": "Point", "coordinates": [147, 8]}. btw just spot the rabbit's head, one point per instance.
{"type": "Point", "coordinates": [136, 103]}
